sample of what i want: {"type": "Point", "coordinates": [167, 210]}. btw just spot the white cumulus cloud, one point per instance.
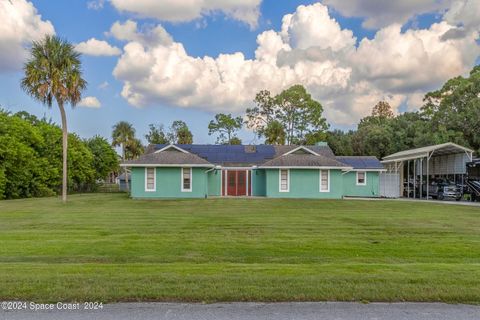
{"type": "Point", "coordinates": [20, 25]}
{"type": "Point", "coordinates": [246, 11]}
{"type": "Point", "coordinates": [382, 13]}
{"type": "Point", "coordinates": [90, 102]}
{"type": "Point", "coordinates": [312, 49]}
{"type": "Point", "coordinates": [94, 47]}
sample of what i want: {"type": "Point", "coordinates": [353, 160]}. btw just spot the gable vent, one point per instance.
{"type": "Point", "coordinates": [250, 149]}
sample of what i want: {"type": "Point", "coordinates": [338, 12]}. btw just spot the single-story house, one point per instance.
{"type": "Point", "coordinates": [197, 171]}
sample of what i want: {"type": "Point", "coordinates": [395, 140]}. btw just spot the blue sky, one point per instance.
{"type": "Point", "coordinates": [341, 82]}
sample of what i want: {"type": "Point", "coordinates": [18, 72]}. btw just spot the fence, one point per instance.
{"type": "Point", "coordinates": [389, 185]}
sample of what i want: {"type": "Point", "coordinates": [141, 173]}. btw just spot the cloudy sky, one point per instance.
{"type": "Point", "coordinates": [155, 61]}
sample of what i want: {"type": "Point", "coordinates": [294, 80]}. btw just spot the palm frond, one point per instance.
{"type": "Point", "coordinates": [53, 71]}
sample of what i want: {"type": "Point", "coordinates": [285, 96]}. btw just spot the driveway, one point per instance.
{"type": "Point", "coordinates": [258, 311]}
{"type": "Point", "coordinates": [447, 202]}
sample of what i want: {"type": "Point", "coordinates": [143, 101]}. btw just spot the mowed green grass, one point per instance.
{"type": "Point", "coordinates": [107, 247]}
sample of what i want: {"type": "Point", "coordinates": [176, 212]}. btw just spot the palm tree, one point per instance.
{"type": "Point", "coordinates": [274, 133]}
{"type": "Point", "coordinates": [134, 149]}
{"type": "Point", "coordinates": [123, 134]}
{"type": "Point", "coordinates": [53, 72]}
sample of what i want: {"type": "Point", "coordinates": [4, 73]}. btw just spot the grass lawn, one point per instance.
{"type": "Point", "coordinates": [106, 247]}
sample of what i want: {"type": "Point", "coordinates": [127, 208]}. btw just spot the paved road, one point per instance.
{"type": "Point", "coordinates": [259, 311]}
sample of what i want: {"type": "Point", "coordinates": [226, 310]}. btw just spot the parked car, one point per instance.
{"type": "Point", "coordinates": [444, 189]}
{"type": "Point", "coordinates": [406, 192]}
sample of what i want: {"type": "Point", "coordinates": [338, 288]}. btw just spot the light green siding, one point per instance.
{"type": "Point", "coordinates": [304, 183]}
{"type": "Point", "coordinates": [258, 183]}
{"type": "Point", "coordinates": [168, 183]}
{"type": "Point", "coordinates": [351, 189]}
{"type": "Point", "coordinates": [214, 182]}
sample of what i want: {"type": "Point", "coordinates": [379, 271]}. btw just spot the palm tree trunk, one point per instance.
{"type": "Point", "coordinates": [64, 150]}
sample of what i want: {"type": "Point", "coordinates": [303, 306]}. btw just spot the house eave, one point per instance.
{"type": "Point", "coordinates": [306, 167]}
{"type": "Point", "coordinates": [167, 165]}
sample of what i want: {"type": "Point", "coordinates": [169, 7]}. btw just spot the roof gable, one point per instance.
{"type": "Point", "coordinates": [172, 147]}
{"type": "Point", "coordinates": [301, 150]}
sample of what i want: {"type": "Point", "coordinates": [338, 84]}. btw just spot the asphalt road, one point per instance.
{"type": "Point", "coordinates": [258, 311]}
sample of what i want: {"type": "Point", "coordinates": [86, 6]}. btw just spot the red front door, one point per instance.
{"type": "Point", "coordinates": [241, 183]}
{"type": "Point", "coordinates": [236, 182]}
{"type": "Point", "coordinates": [231, 183]}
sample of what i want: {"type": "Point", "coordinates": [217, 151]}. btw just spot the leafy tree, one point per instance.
{"type": "Point", "coordinates": [274, 133]}
{"type": "Point", "coordinates": [123, 135]}
{"type": "Point", "coordinates": [179, 133]}
{"type": "Point", "coordinates": [226, 127]}
{"type": "Point", "coordinates": [21, 171]}
{"type": "Point", "coordinates": [374, 134]}
{"type": "Point", "coordinates": [235, 141]}
{"type": "Point", "coordinates": [260, 116]}
{"type": "Point", "coordinates": [294, 108]}
{"type": "Point", "coordinates": [105, 159]}
{"type": "Point", "coordinates": [31, 158]}
{"type": "Point", "coordinates": [456, 108]}
{"type": "Point", "coordinates": [373, 139]}
{"type": "Point", "coordinates": [156, 134]}
{"type": "Point", "coordinates": [53, 72]}
{"type": "Point", "coordinates": [340, 142]}
{"type": "Point", "coordinates": [382, 110]}
{"type": "Point", "coordinates": [299, 113]}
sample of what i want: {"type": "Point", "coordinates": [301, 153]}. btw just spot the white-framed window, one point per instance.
{"type": "Point", "coordinates": [324, 180]}
{"type": "Point", "coordinates": [186, 179]}
{"type": "Point", "coordinates": [283, 180]}
{"type": "Point", "coordinates": [361, 178]}
{"type": "Point", "coordinates": [150, 179]}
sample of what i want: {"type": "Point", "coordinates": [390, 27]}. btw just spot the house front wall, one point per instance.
{"type": "Point", "coordinates": [168, 183]}
{"type": "Point", "coordinates": [370, 189]}
{"type": "Point", "coordinates": [304, 183]}
{"type": "Point", "coordinates": [214, 182]}
{"type": "Point", "coordinates": [258, 183]}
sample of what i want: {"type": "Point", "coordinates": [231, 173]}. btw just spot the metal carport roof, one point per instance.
{"type": "Point", "coordinates": [427, 152]}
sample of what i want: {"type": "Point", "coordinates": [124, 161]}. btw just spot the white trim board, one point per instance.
{"type": "Point", "coordinates": [301, 148]}
{"type": "Point", "coordinates": [320, 180]}
{"type": "Point", "coordinates": [307, 167]}
{"type": "Point", "coordinates": [365, 178]}
{"type": "Point", "coordinates": [172, 146]}
{"type": "Point", "coordinates": [154, 180]}
{"type": "Point", "coordinates": [169, 165]}
{"type": "Point", "coordinates": [280, 180]}
{"type": "Point", "coordinates": [191, 180]}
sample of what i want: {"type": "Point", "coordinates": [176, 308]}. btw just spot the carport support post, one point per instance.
{"type": "Point", "coordinates": [414, 178]}
{"type": "Point", "coordinates": [421, 179]}
{"type": "Point", "coordinates": [408, 178]}
{"type": "Point", "coordinates": [428, 184]}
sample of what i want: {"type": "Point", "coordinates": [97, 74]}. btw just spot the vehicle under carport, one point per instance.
{"type": "Point", "coordinates": [437, 171]}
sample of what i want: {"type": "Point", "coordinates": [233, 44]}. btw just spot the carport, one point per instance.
{"type": "Point", "coordinates": [417, 167]}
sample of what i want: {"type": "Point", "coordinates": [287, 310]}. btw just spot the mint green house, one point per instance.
{"type": "Point", "coordinates": [200, 171]}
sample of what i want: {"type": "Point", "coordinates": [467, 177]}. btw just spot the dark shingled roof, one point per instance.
{"type": "Point", "coordinates": [303, 160]}
{"type": "Point", "coordinates": [362, 162]}
{"type": "Point", "coordinates": [169, 156]}
{"type": "Point", "coordinates": [241, 155]}
{"type": "Point", "coordinates": [229, 155]}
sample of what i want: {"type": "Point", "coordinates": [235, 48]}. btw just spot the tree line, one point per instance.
{"type": "Point", "coordinates": [449, 114]}
{"type": "Point", "coordinates": [31, 158]}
